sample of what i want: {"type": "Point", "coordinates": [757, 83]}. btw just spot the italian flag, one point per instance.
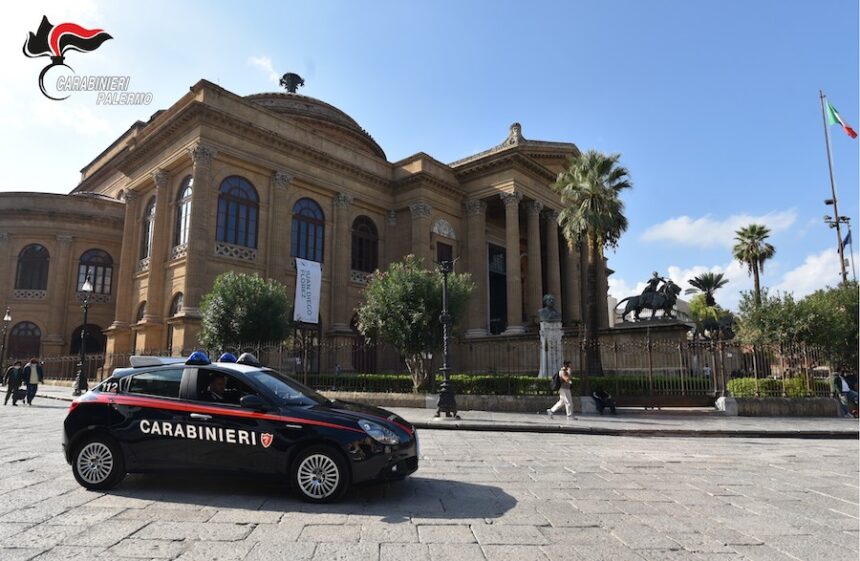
{"type": "Point", "coordinates": [833, 118]}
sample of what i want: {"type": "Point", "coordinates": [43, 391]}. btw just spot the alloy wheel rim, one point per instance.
{"type": "Point", "coordinates": [318, 476]}
{"type": "Point", "coordinates": [95, 462]}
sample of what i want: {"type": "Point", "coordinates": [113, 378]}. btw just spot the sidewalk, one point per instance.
{"type": "Point", "coordinates": [626, 423]}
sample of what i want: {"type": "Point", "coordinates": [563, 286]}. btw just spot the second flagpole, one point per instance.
{"type": "Point", "coordinates": [833, 191]}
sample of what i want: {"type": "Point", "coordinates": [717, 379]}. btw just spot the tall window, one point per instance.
{"type": "Point", "coordinates": [33, 268]}
{"type": "Point", "coordinates": [183, 212]}
{"type": "Point", "coordinates": [141, 311]}
{"type": "Point", "coordinates": [148, 229]}
{"type": "Point", "coordinates": [175, 308]}
{"type": "Point", "coordinates": [308, 230]}
{"type": "Point", "coordinates": [365, 245]}
{"type": "Point", "coordinates": [24, 340]}
{"type": "Point", "coordinates": [238, 205]}
{"type": "Point", "coordinates": [444, 252]}
{"type": "Point", "coordinates": [97, 265]}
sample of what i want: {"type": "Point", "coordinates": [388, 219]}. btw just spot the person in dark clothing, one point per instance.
{"type": "Point", "coordinates": [603, 400]}
{"type": "Point", "coordinates": [33, 375]}
{"type": "Point", "coordinates": [12, 379]}
{"type": "Point", "coordinates": [215, 392]}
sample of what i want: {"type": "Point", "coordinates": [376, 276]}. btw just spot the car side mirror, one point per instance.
{"type": "Point", "coordinates": [254, 402]}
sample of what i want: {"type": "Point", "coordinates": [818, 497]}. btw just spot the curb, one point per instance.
{"type": "Point", "coordinates": [593, 431]}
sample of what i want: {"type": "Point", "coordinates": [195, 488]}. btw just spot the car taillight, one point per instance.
{"type": "Point", "coordinates": [73, 404]}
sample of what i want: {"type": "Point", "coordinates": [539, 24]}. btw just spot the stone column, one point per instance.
{"type": "Point", "coordinates": [421, 212]}
{"type": "Point", "coordinates": [158, 256]}
{"type": "Point", "coordinates": [572, 310]}
{"type": "Point", "coordinates": [553, 266]}
{"type": "Point", "coordinates": [6, 281]}
{"type": "Point", "coordinates": [279, 238]}
{"type": "Point", "coordinates": [512, 261]}
{"type": "Point", "coordinates": [391, 240]}
{"type": "Point", "coordinates": [200, 235]}
{"type": "Point", "coordinates": [59, 285]}
{"type": "Point", "coordinates": [340, 271]}
{"type": "Point", "coordinates": [119, 332]}
{"type": "Point", "coordinates": [476, 256]}
{"type": "Point", "coordinates": [534, 282]}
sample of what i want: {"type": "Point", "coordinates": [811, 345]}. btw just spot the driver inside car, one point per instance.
{"type": "Point", "coordinates": [216, 391]}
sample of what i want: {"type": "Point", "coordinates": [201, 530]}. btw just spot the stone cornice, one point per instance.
{"type": "Point", "coordinates": [422, 178]}
{"type": "Point", "coordinates": [508, 159]}
{"type": "Point", "coordinates": [420, 209]}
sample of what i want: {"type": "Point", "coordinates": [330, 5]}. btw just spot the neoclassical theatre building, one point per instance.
{"type": "Point", "coordinates": [221, 182]}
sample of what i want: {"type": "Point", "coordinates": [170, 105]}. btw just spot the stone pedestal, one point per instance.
{"type": "Point", "coordinates": [550, 348]}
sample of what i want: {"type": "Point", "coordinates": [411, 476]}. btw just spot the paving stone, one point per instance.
{"type": "Point", "coordinates": [85, 515]}
{"type": "Point", "coordinates": [330, 533]}
{"type": "Point", "coordinates": [643, 537]}
{"type": "Point", "coordinates": [69, 553]}
{"type": "Point", "coordinates": [460, 552]}
{"type": "Point", "coordinates": [446, 534]}
{"type": "Point", "coordinates": [346, 552]}
{"type": "Point", "coordinates": [404, 552]}
{"type": "Point", "coordinates": [147, 549]}
{"type": "Point", "coordinates": [105, 533]}
{"type": "Point", "coordinates": [19, 553]}
{"type": "Point", "coordinates": [513, 553]}
{"type": "Point", "coordinates": [217, 551]}
{"type": "Point", "coordinates": [509, 535]}
{"type": "Point", "coordinates": [397, 533]}
{"type": "Point", "coordinates": [195, 531]}
{"type": "Point", "coordinates": [266, 551]}
{"type": "Point", "coordinates": [276, 533]}
{"type": "Point", "coordinates": [242, 516]}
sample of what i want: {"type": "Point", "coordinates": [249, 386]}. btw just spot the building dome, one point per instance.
{"type": "Point", "coordinates": [325, 118]}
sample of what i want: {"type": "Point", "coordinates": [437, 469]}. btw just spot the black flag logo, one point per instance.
{"type": "Point", "coordinates": [55, 41]}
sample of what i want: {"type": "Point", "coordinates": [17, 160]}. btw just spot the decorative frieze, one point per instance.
{"type": "Point", "coordinates": [94, 298]}
{"type": "Point", "coordinates": [443, 228]}
{"type": "Point", "coordinates": [64, 240]}
{"type": "Point", "coordinates": [235, 251]}
{"type": "Point", "coordinates": [143, 265]}
{"type": "Point", "coordinates": [420, 210]}
{"type": "Point", "coordinates": [28, 294]}
{"type": "Point", "coordinates": [202, 155]}
{"type": "Point", "coordinates": [475, 207]}
{"type": "Point", "coordinates": [179, 251]}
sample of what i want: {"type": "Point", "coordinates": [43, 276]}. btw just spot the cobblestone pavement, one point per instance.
{"type": "Point", "coordinates": [486, 495]}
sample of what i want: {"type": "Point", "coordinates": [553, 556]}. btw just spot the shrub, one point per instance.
{"type": "Point", "coordinates": [769, 387]}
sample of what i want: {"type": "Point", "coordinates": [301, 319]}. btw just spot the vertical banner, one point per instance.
{"type": "Point", "coordinates": [307, 303]}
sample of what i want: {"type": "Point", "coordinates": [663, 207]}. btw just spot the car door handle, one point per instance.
{"type": "Point", "coordinates": [201, 416]}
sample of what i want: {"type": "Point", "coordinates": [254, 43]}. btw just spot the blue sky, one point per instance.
{"type": "Point", "coordinates": [713, 105]}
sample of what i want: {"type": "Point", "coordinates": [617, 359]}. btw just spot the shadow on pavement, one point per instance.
{"type": "Point", "coordinates": [393, 502]}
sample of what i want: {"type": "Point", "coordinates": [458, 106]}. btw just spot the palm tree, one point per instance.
{"type": "Point", "coordinates": [753, 250]}
{"type": "Point", "coordinates": [707, 283]}
{"type": "Point", "coordinates": [592, 210]}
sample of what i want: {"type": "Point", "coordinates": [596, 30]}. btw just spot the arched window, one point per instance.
{"type": "Point", "coordinates": [365, 245]}
{"type": "Point", "coordinates": [148, 229]}
{"type": "Point", "coordinates": [308, 230]}
{"type": "Point", "coordinates": [25, 340]}
{"type": "Point", "coordinates": [98, 265]}
{"type": "Point", "coordinates": [176, 304]}
{"type": "Point", "coordinates": [238, 204]}
{"type": "Point", "coordinates": [96, 340]}
{"type": "Point", "coordinates": [183, 212]}
{"type": "Point", "coordinates": [33, 268]}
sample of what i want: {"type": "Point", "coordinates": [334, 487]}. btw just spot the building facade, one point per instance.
{"type": "Point", "coordinates": [220, 182]}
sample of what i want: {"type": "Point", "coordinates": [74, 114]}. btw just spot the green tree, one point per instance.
{"type": "Point", "coordinates": [752, 249]}
{"type": "Point", "coordinates": [711, 321]}
{"type": "Point", "coordinates": [402, 306]}
{"type": "Point", "coordinates": [244, 309]}
{"type": "Point", "coordinates": [833, 320]}
{"type": "Point", "coordinates": [707, 283]}
{"type": "Point", "coordinates": [777, 320]}
{"type": "Point", "coordinates": [590, 189]}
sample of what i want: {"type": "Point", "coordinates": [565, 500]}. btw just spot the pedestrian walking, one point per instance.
{"type": "Point", "coordinates": [562, 380]}
{"type": "Point", "coordinates": [12, 380]}
{"type": "Point", "coordinates": [848, 398]}
{"type": "Point", "coordinates": [33, 376]}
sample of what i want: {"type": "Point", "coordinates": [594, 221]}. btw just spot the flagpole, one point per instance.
{"type": "Point", "coordinates": [851, 253]}
{"type": "Point", "coordinates": [833, 191]}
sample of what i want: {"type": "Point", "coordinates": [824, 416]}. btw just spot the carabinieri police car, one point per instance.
{"type": "Point", "coordinates": [231, 416]}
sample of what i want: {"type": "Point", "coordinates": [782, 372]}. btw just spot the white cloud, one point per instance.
{"type": "Point", "coordinates": [264, 63]}
{"type": "Point", "coordinates": [619, 289]}
{"type": "Point", "coordinates": [82, 120]}
{"type": "Point", "coordinates": [817, 271]}
{"type": "Point", "coordinates": [710, 232]}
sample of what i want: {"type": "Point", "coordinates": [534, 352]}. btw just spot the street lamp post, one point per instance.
{"type": "Point", "coordinates": [447, 402]}
{"type": "Point", "coordinates": [7, 319]}
{"type": "Point", "coordinates": [81, 382]}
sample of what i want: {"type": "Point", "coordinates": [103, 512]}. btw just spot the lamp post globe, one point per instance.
{"type": "Point", "coordinates": [7, 319]}
{"type": "Point", "coordinates": [81, 380]}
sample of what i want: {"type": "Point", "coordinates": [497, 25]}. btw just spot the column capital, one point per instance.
{"type": "Point", "coordinates": [551, 215]}
{"type": "Point", "coordinates": [342, 200]}
{"type": "Point", "coordinates": [534, 208]}
{"type": "Point", "coordinates": [160, 177]}
{"type": "Point", "coordinates": [475, 207]}
{"type": "Point", "coordinates": [511, 199]}
{"type": "Point", "coordinates": [392, 218]}
{"type": "Point", "coordinates": [281, 178]}
{"type": "Point", "coordinates": [202, 155]}
{"type": "Point", "coordinates": [420, 210]}
{"type": "Point", "coordinates": [64, 240]}
{"type": "Point", "coordinates": [130, 196]}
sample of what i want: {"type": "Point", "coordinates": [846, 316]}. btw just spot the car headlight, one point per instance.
{"type": "Point", "coordinates": [378, 432]}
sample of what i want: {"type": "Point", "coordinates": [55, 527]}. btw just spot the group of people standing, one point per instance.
{"type": "Point", "coordinates": [29, 375]}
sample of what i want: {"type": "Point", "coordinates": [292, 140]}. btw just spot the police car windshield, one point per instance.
{"type": "Point", "coordinates": [286, 388]}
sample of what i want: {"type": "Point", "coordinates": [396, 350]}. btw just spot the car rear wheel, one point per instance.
{"type": "Point", "coordinates": [98, 463]}
{"type": "Point", "coordinates": [319, 474]}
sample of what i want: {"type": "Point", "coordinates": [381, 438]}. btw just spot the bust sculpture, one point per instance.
{"type": "Point", "coordinates": [548, 312]}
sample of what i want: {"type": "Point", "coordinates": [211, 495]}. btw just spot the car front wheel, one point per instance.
{"type": "Point", "coordinates": [319, 474]}
{"type": "Point", "coordinates": [98, 463]}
